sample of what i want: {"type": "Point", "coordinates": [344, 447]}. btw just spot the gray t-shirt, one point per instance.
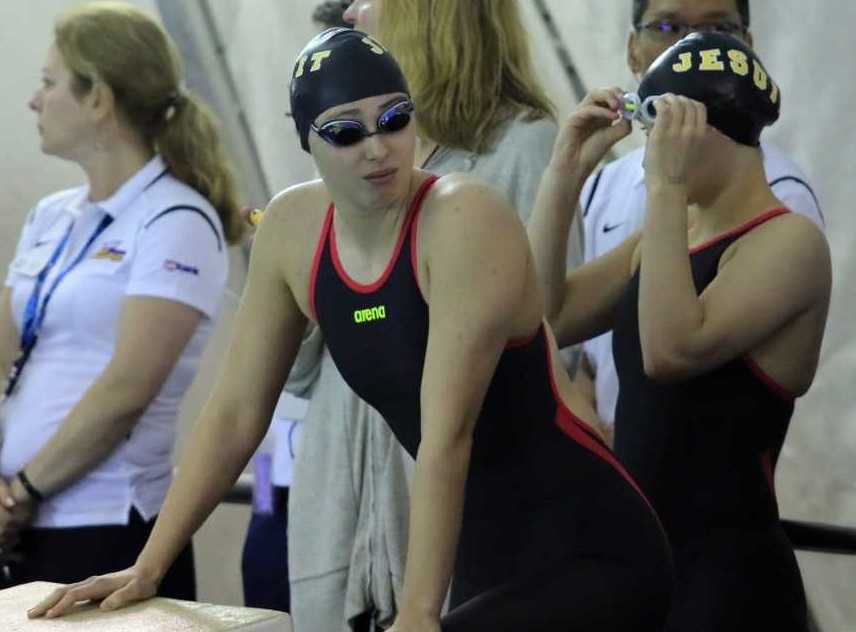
{"type": "Point", "coordinates": [514, 166]}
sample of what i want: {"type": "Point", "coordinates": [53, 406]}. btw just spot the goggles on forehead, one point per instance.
{"type": "Point", "coordinates": [345, 133]}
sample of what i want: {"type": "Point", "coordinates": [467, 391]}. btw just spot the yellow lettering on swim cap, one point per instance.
{"type": "Point", "coordinates": [376, 48]}
{"type": "Point", "coordinates": [710, 59]}
{"type": "Point", "coordinates": [685, 64]}
{"type": "Point", "coordinates": [739, 62]}
{"type": "Point", "coordinates": [774, 95]}
{"type": "Point", "coordinates": [301, 63]}
{"type": "Point", "coordinates": [317, 58]}
{"type": "Point", "coordinates": [760, 76]}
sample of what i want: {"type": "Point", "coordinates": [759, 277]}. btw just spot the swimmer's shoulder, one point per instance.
{"type": "Point", "coordinates": [463, 213]}
{"type": "Point", "coordinates": [459, 199]}
{"type": "Point", "coordinates": [293, 220]}
{"type": "Point", "coordinates": [306, 202]}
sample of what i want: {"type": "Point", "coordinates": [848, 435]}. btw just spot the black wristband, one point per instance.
{"type": "Point", "coordinates": [35, 494]}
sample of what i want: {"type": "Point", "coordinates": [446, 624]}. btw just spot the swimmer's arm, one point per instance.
{"type": "Point", "coordinates": [591, 293]}
{"type": "Point", "coordinates": [583, 140]}
{"type": "Point", "coordinates": [548, 229]}
{"type": "Point", "coordinates": [772, 277]}
{"type": "Point", "coordinates": [478, 265]}
{"type": "Point", "coordinates": [577, 306]}
{"type": "Point", "coordinates": [265, 336]}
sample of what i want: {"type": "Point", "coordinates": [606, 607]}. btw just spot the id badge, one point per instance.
{"type": "Point", "coordinates": [262, 487]}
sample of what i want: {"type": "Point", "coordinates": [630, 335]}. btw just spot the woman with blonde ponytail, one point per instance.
{"type": "Point", "coordinates": [109, 300]}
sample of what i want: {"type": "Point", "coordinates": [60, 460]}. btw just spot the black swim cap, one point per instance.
{"type": "Point", "coordinates": [723, 73]}
{"type": "Point", "coordinates": [340, 66]}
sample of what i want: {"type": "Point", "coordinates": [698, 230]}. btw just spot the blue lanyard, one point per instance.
{"type": "Point", "coordinates": [34, 313]}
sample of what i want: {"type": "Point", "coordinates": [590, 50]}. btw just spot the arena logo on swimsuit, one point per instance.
{"type": "Point", "coordinates": [369, 314]}
{"type": "Point", "coordinates": [318, 58]}
{"type": "Point", "coordinates": [738, 63]}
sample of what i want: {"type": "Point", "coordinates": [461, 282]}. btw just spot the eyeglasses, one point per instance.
{"type": "Point", "coordinates": [666, 29]}
{"type": "Point", "coordinates": [344, 133]}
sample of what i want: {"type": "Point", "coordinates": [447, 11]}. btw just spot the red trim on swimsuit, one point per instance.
{"type": "Point", "coordinates": [743, 228]}
{"type": "Point", "coordinates": [579, 431]}
{"type": "Point", "coordinates": [414, 232]}
{"type": "Point", "coordinates": [777, 389]}
{"type": "Point", "coordinates": [316, 260]}
{"type": "Point", "coordinates": [368, 288]}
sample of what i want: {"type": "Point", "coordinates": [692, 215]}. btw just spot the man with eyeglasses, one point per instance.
{"type": "Point", "coordinates": [614, 198]}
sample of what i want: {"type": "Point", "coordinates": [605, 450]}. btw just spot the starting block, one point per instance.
{"type": "Point", "coordinates": [154, 615]}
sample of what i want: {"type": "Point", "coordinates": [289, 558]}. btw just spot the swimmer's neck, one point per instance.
{"type": "Point", "coordinates": [741, 194]}
{"type": "Point", "coordinates": [371, 228]}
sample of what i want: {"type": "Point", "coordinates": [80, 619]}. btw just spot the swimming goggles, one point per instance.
{"type": "Point", "coordinates": [345, 133]}
{"type": "Point", "coordinates": [635, 109]}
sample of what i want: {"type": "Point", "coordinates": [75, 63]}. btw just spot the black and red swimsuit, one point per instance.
{"type": "Point", "coordinates": [550, 515]}
{"type": "Point", "coordinates": [704, 450]}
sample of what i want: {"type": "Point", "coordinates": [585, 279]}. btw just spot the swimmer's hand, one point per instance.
{"type": "Point", "coordinates": [676, 143]}
{"type": "Point", "coordinates": [114, 590]}
{"type": "Point", "coordinates": [590, 131]}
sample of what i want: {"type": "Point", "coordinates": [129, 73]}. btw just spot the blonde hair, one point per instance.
{"type": "Point", "coordinates": [122, 47]}
{"type": "Point", "coordinates": [468, 65]}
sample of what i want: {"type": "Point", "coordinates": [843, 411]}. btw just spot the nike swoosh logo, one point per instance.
{"type": "Point", "coordinates": [608, 229]}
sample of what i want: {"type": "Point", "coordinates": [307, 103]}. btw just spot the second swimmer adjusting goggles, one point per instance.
{"type": "Point", "coordinates": [718, 70]}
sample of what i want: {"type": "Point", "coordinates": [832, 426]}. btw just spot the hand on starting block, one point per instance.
{"type": "Point", "coordinates": [151, 615]}
{"type": "Point", "coordinates": [114, 591]}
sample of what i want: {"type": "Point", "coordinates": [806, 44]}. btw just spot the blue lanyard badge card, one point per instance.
{"type": "Point", "coordinates": [36, 308]}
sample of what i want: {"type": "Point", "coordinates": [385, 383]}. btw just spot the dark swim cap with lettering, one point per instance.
{"type": "Point", "coordinates": [723, 73]}
{"type": "Point", "coordinates": [340, 66]}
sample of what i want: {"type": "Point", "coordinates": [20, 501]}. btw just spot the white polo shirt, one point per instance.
{"type": "Point", "coordinates": [165, 241]}
{"type": "Point", "coordinates": [613, 202]}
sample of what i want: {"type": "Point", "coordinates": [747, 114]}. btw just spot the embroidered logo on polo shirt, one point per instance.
{"type": "Point", "coordinates": [111, 251]}
{"type": "Point", "coordinates": [172, 265]}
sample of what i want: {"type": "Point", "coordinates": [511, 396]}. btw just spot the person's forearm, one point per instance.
{"type": "Point", "coordinates": [437, 503]}
{"type": "Point", "coordinates": [100, 421]}
{"type": "Point", "coordinates": [548, 230]}
{"type": "Point", "coordinates": [216, 453]}
{"type": "Point", "coordinates": [669, 308]}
